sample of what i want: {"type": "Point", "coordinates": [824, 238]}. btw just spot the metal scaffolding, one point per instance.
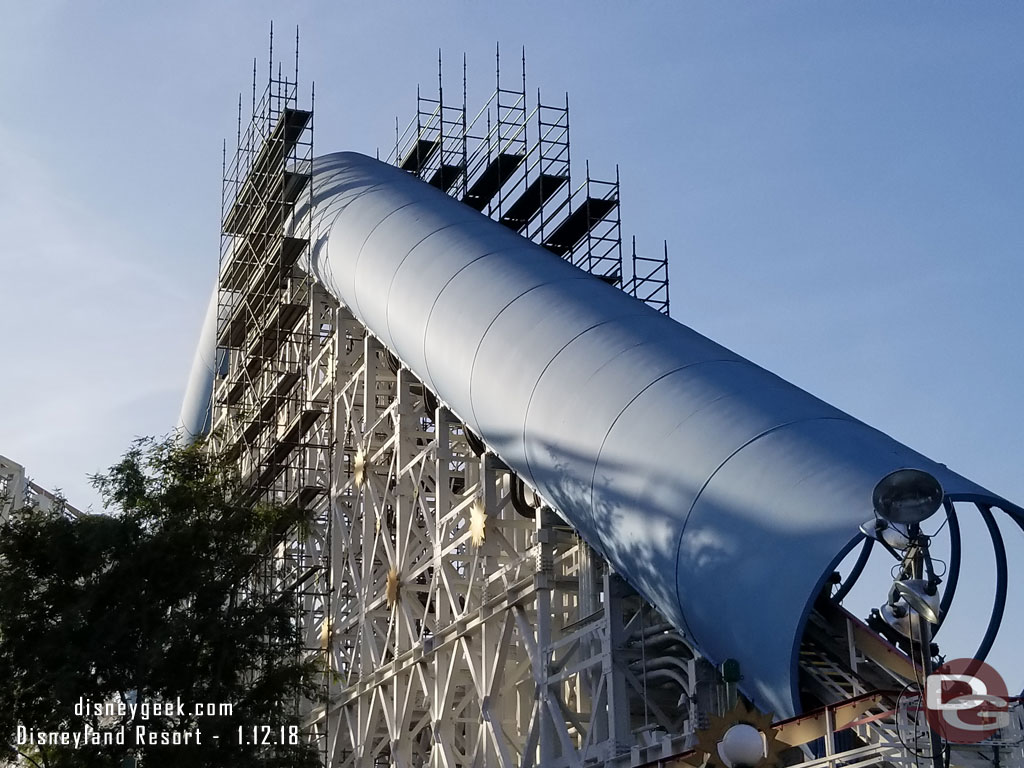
{"type": "Point", "coordinates": [512, 162]}
{"type": "Point", "coordinates": [272, 402]}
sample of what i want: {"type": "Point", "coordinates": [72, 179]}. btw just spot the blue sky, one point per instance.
{"type": "Point", "coordinates": [841, 186]}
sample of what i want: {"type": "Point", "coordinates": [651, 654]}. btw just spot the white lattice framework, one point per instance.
{"type": "Point", "coordinates": [461, 621]}
{"type": "Point", "coordinates": [464, 632]}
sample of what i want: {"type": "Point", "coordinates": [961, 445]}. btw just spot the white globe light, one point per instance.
{"type": "Point", "coordinates": [742, 746]}
{"type": "Point", "coordinates": [895, 538]}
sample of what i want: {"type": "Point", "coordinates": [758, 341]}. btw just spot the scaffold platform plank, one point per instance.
{"type": "Point", "coordinates": [419, 154]}
{"type": "Point", "coordinates": [532, 200]}
{"type": "Point", "coordinates": [264, 346]}
{"type": "Point", "coordinates": [306, 495]}
{"type": "Point", "coordinates": [271, 405]}
{"type": "Point", "coordinates": [492, 179]}
{"type": "Point", "coordinates": [270, 158]}
{"type": "Point", "coordinates": [445, 176]}
{"type": "Point", "coordinates": [282, 321]}
{"type": "Point", "coordinates": [264, 277]}
{"type": "Point", "coordinates": [285, 444]}
{"type": "Point", "coordinates": [294, 183]}
{"type": "Point", "coordinates": [242, 378]}
{"type": "Point", "coordinates": [263, 281]}
{"type": "Point", "coordinates": [259, 206]}
{"type": "Point", "coordinates": [577, 224]}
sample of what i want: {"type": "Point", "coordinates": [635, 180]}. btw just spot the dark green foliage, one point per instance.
{"type": "Point", "coordinates": [159, 600]}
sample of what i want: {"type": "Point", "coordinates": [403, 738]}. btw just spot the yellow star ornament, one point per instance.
{"type": "Point", "coordinates": [477, 523]}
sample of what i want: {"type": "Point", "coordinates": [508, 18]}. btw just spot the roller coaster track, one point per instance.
{"type": "Point", "coordinates": [544, 517]}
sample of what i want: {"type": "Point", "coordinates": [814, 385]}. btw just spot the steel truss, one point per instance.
{"type": "Point", "coordinates": [461, 621]}
{"type": "Point", "coordinates": [470, 627]}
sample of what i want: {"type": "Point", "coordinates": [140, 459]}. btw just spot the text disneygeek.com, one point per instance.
{"type": "Point", "coordinates": [118, 724]}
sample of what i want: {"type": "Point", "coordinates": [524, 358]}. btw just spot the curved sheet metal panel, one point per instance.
{"type": "Point", "coordinates": [723, 493]}
{"type": "Point", "coordinates": [195, 417]}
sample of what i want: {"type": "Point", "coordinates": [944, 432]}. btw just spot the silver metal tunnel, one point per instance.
{"type": "Point", "coordinates": [721, 492]}
{"type": "Point", "coordinates": [197, 406]}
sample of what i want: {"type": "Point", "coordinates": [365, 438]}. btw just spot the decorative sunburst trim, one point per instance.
{"type": "Point", "coordinates": [477, 523]}
{"type": "Point", "coordinates": [325, 633]}
{"type": "Point", "coordinates": [709, 738]}
{"type": "Point", "coordinates": [393, 588]}
{"type": "Point", "coordinates": [359, 465]}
